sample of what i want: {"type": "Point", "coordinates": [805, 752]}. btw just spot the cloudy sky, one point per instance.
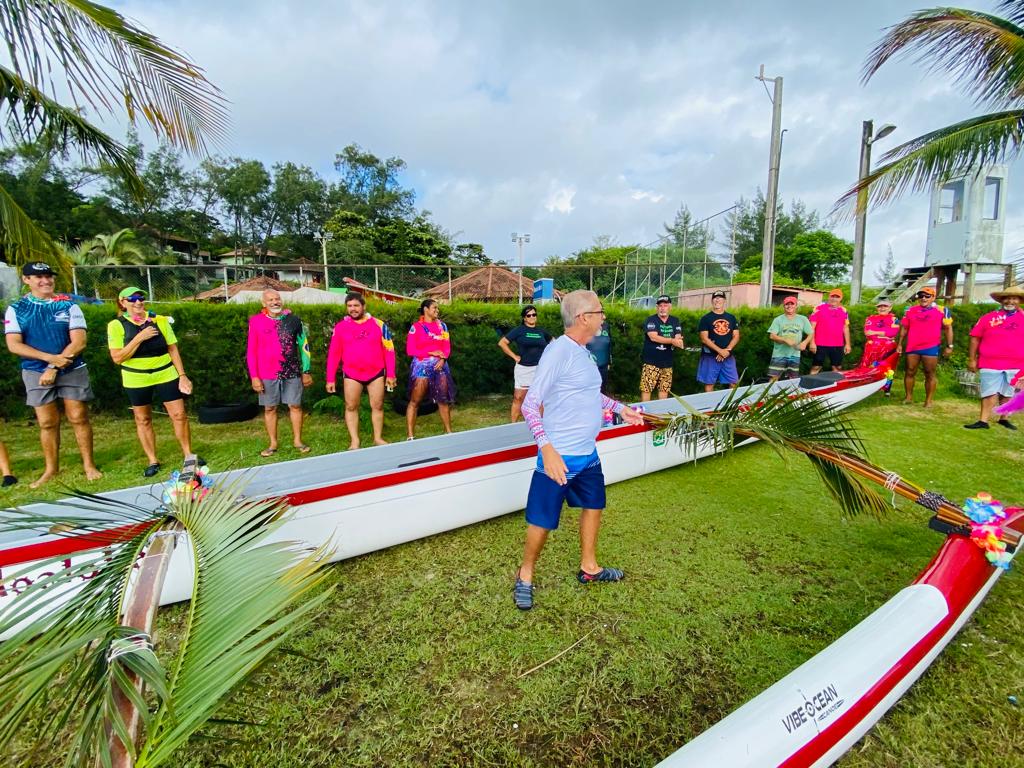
{"type": "Point", "coordinates": [571, 119]}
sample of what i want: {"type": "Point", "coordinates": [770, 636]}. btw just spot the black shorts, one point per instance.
{"type": "Point", "coordinates": [368, 382]}
{"type": "Point", "coordinates": [167, 392]}
{"type": "Point", "coordinates": [834, 355]}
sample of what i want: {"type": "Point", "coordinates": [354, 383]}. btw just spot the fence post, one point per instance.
{"type": "Point", "coordinates": [591, 279]}
{"type": "Point", "coordinates": [449, 285]}
{"type": "Point", "coordinates": [149, 283]}
{"type": "Point", "coordinates": [226, 297]}
{"type": "Point", "coordinates": [74, 279]}
{"type": "Point", "coordinates": [376, 279]}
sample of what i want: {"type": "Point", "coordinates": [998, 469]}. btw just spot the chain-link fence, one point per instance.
{"type": "Point", "coordinates": [701, 256]}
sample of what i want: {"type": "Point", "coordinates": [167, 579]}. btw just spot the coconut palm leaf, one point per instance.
{"type": "Point", "coordinates": [107, 61]}
{"type": "Point", "coordinates": [983, 52]}
{"type": "Point", "coordinates": [74, 643]}
{"type": "Point", "coordinates": [945, 153]}
{"type": "Point", "coordinates": [810, 425]}
{"type": "Point", "coordinates": [71, 647]}
{"type": "Point", "coordinates": [25, 240]}
{"type": "Point", "coordinates": [239, 613]}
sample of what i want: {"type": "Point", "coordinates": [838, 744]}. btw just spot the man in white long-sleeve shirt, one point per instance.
{"type": "Point", "coordinates": [568, 386]}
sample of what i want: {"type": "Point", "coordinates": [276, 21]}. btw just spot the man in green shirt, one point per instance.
{"type": "Point", "coordinates": [791, 333]}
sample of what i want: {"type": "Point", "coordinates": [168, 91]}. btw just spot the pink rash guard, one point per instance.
{"type": "Point", "coordinates": [362, 348]}
{"type": "Point", "coordinates": [427, 339]}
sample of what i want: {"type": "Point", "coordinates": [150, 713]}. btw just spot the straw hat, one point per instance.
{"type": "Point", "coordinates": [1013, 290]}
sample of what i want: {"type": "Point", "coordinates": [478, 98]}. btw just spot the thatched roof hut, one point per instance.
{"type": "Point", "coordinates": [491, 283]}
{"type": "Point", "coordinates": [260, 283]}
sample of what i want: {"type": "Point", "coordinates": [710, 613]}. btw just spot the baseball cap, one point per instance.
{"type": "Point", "coordinates": [663, 299]}
{"type": "Point", "coordinates": [883, 303]}
{"type": "Point", "coordinates": [37, 268]}
{"type": "Point", "coordinates": [789, 300]}
{"type": "Point", "coordinates": [718, 295]}
{"type": "Point", "coordinates": [926, 291]}
{"type": "Point", "coordinates": [835, 292]}
{"type": "Point", "coordinates": [131, 290]}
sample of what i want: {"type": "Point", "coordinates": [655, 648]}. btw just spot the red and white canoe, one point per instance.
{"type": "Point", "coordinates": [378, 497]}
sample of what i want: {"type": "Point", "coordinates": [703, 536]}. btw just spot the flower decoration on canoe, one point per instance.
{"type": "Point", "coordinates": [986, 515]}
{"type": "Point", "coordinates": [197, 484]}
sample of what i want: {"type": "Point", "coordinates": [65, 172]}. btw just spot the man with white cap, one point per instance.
{"type": "Point", "coordinates": [47, 331]}
{"type": "Point", "coordinates": [996, 351]}
{"type": "Point", "coordinates": [926, 330]}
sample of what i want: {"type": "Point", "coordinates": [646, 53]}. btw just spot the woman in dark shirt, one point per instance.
{"type": "Point", "coordinates": [530, 340]}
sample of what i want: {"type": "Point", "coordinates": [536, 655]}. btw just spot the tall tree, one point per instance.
{"type": "Point", "coordinates": [684, 231]}
{"type": "Point", "coordinates": [370, 186]}
{"type": "Point", "coordinates": [984, 53]}
{"type": "Point", "coordinates": [92, 55]}
{"type": "Point", "coordinates": [887, 272]}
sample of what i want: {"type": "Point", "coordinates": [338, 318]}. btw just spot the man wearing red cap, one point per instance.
{"type": "Point", "coordinates": [922, 330]}
{"type": "Point", "coordinates": [831, 340]}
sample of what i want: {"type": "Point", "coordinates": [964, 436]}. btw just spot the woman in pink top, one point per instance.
{"type": "Point", "coordinates": [429, 346]}
{"type": "Point", "coordinates": [996, 352]}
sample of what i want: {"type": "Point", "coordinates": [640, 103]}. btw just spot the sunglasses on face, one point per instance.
{"type": "Point", "coordinates": [530, 314]}
{"type": "Point", "coordinates": [135, 297]}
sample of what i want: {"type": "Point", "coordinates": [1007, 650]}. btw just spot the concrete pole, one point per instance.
{"type": "Point", "coordinates": [771, 200]}
{"type": "Point", "coordinates": [857, 273]}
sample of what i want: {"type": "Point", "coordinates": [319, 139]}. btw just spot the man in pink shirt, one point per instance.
{"type": "Point", "coordinates": [996, 351]}
{"type": "Point", "coordinates": [362, 345]}
{"type": "Point", "coordinates": [830, 340]}
{"type": "Point", "coordinates": [922, 330]}
{"type": "Point", "coordinates": [277, 354]}
{"type": "Point", "coordinates": [429, 346]}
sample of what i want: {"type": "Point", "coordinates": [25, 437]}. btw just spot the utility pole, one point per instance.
{"type": "Point", "coordinates": [519, 239]}
{"type": "Point", "coordinates": [768, 246]}
{"type": "Point", "coordinates": [867, 138]}
{"type": "Point", "coordinates": [324, 238]}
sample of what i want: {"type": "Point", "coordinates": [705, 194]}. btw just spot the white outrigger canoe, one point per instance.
{"type": "Point", "coordinates": [378, 497]}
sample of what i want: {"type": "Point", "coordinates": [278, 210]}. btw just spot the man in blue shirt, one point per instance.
{"type": "Point", "coordinates": [564, 409]}
{"type": "Point", "coordinates": [47, 331]}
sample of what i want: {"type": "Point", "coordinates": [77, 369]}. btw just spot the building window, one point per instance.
{"type": "Point", "coordinates": [993, 188]}
{"type": "Point", "coordinates": [951, 202]}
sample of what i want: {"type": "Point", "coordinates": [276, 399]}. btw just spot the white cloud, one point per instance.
{"type": "Point", "coordinates": [560, 200]}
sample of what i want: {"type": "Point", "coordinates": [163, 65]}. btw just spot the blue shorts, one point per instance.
{"type": "Point", "coordinates": [995, 382]}
{"type": "Point", "coordinates": [710, 371]}
{"type": "Point", "coordinates": [928, 352]}
{"type": "Point", "coordinates": [584, 488]}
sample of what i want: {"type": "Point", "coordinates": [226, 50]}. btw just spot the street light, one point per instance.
{"type": "Point", "coordinates": [868, 137]}
{"type": "Point", "coordinates": [324, 238]}
{"type": "Point", "coordinates": [519, 239]}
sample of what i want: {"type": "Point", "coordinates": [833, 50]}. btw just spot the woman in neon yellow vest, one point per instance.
{"type": "Point", "coordinates": [143, 344]}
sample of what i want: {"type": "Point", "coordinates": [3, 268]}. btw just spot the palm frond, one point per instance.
{"type": "Point", "coordinates": [35, 114]}
{"type": "Point", "coordinates": [942, 154]}
{"type": "Point", "coordinates": [983, 52]}
{"type": "Point", "coordinates": [65, 633]}
{"type": "Point", "coordinates": [24, 239]}
{"type": "Point", "coordinates": [810, 425]}
{"type": "Point", "coordinates": [240, 612]}
{"type": "Point", "coordinates": [108, 60]}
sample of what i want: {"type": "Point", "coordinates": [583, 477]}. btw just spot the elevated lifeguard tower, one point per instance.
{"type": "Point", "coordinates": [966, 226]}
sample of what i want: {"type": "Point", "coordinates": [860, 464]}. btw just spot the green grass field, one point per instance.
{"type": "Point", "coordinates": [739, 569]}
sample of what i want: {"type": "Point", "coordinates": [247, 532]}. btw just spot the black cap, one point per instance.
{"type": "Point", "coordinates": [37, 268]}
{"type": "Point", "coordinates": [718, 295]}
{"type": "Point", "coordinates": [663, 299]}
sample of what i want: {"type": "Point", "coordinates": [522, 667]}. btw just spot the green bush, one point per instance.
{"type": "Point", "coordinates": [212, 342]}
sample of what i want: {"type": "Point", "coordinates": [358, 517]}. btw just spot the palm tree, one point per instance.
{"type": "Point", "coordinates": [985, 54]}
{"type": "Point", "coordinates": [110, 66]}
{"type": "Point", "coordinates": [119, 249]}
{"type": "Point", "coordinates": [86, 664]}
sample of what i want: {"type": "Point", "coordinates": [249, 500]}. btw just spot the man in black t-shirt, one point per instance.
{"type": "Point", "coordinates": [600, 348]}
{"type": "Point", "coordinates": [662, 333]}
{"type": "Point", "coordinates": [719, 333]}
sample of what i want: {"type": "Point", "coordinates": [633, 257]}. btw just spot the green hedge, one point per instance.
{"type": "Point", "coordinates": [212, 342]}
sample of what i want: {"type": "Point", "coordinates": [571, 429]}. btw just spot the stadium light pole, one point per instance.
{"type": "Point", "coordinates": [867, 138]}
{"type": "Point", "coordinates": [519, 238]}
{"type": "Point", "coordinates": [324, 238]}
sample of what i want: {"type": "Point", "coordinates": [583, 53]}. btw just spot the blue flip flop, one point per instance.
{"type": "Point", "coordinates": [605, 574]}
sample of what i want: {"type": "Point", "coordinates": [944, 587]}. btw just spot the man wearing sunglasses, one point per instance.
{"type": "Point", "coordinates": [663, 334]}
{"type": "Point", "coordinates": [47, 331]}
